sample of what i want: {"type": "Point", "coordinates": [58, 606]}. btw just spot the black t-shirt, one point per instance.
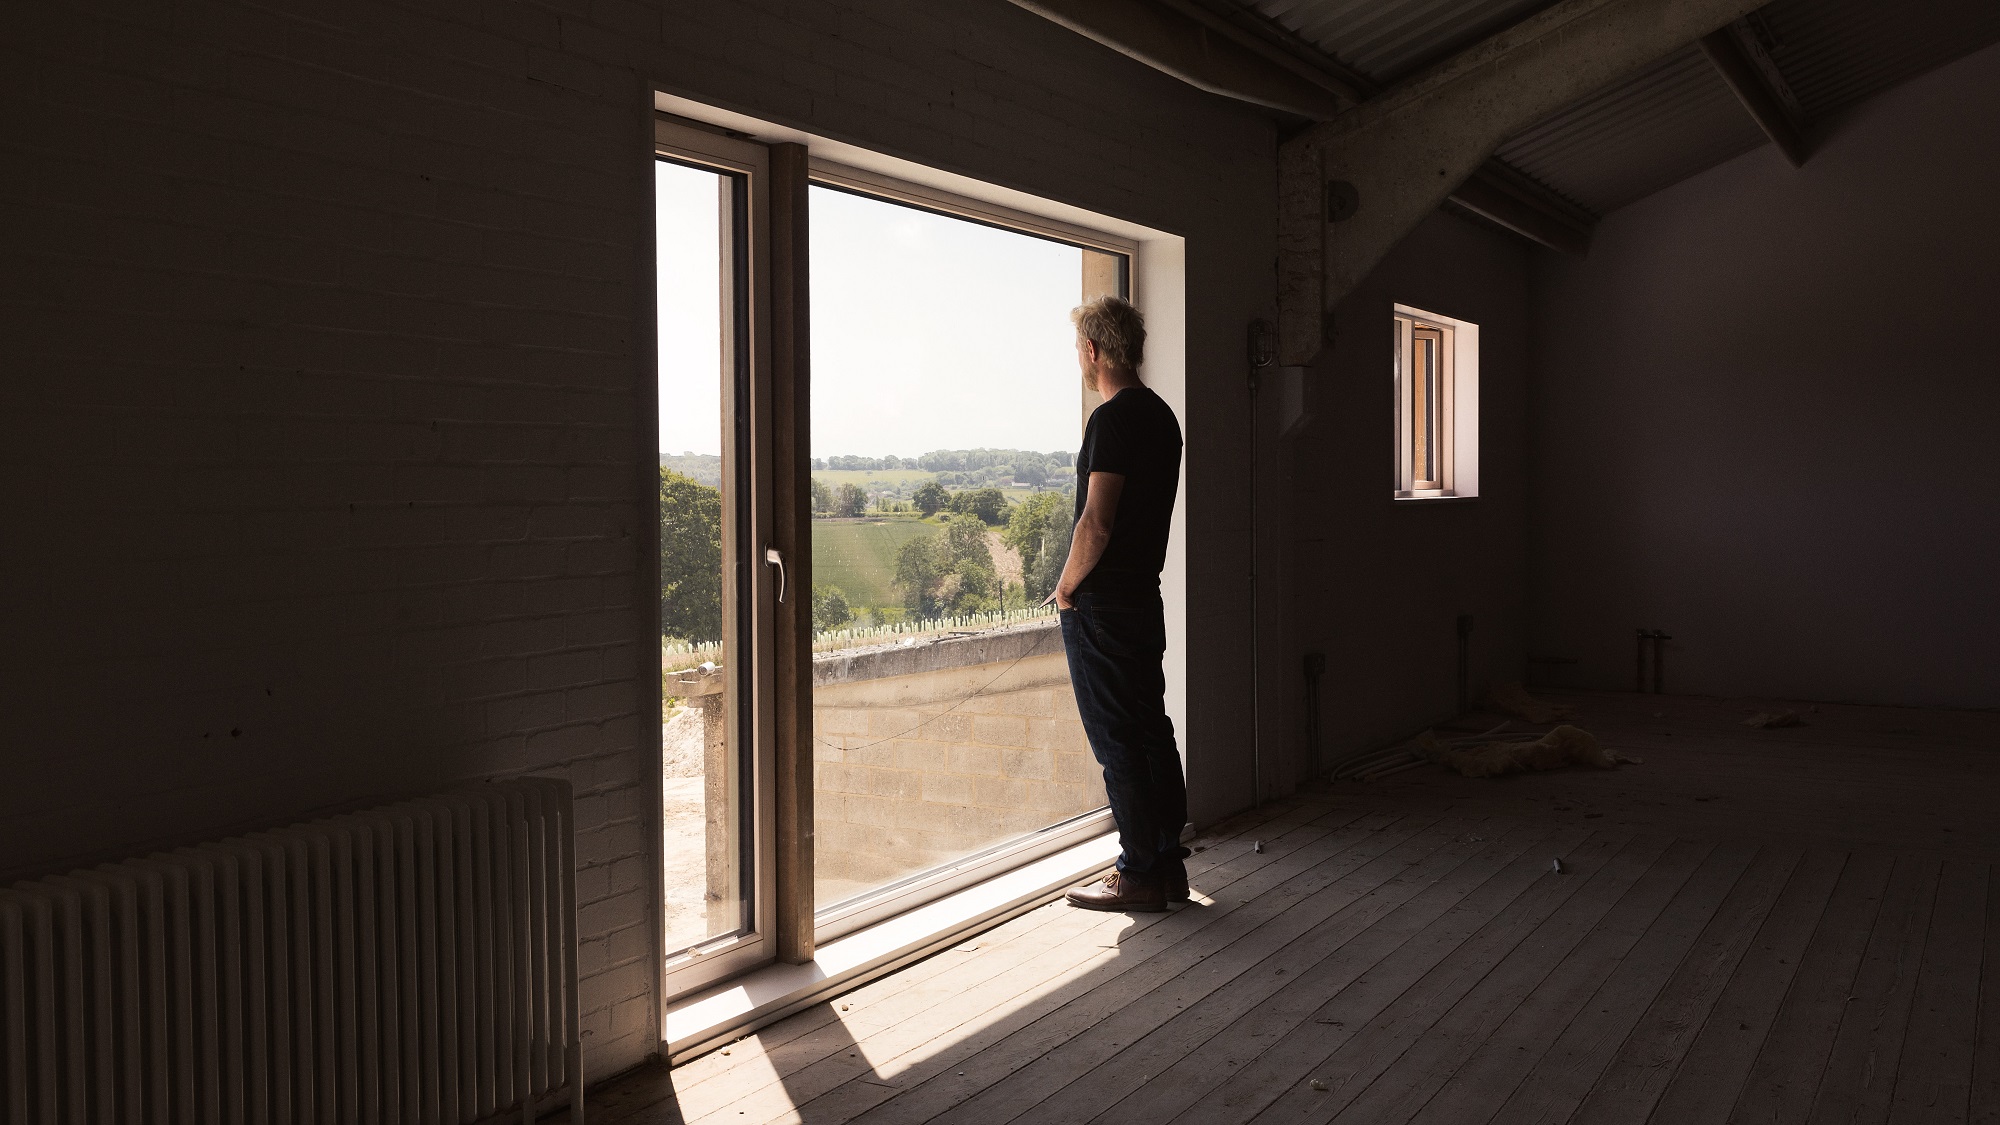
{"type": "Point", "coordinates": [1134, 434]}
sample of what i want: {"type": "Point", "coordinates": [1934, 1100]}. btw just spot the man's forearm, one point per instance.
{"type": "Point", "coordinates": [1085, 549]}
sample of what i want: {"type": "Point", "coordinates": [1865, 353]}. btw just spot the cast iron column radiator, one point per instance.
{"type": "Point", "coordinates": [412, 963]}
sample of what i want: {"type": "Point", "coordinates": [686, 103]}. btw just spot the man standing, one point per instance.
{"type": "Point", "coordinates": [1112, 622]}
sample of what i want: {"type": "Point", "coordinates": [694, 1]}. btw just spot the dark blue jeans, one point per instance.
{"type": "Point", "coordinates": [1115, 647]}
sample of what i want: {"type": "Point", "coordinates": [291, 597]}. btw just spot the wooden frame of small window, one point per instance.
{"type": "Point", "coordinates": [1425, 390]}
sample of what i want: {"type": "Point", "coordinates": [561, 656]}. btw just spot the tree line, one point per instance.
{"type": "Point", "coordinates": [948, 572]}
{"type": "Point", "coordinates": [951, 460]}
{"type": "Point", "coordinates": [691, 564]}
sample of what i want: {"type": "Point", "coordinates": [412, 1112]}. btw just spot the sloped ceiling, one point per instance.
{"type": "Point", "coordinates": [1661, 126]}
{"type": "Point", "coordinates": [1386, 40]}
{"type": "Point", "coordinates": [1676, 118]}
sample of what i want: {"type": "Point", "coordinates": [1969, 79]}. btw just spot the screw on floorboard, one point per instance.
{"type": "Point", "coordinates": [1258, 847]}
{"type": "Point", "coordinates": [1557, 866]}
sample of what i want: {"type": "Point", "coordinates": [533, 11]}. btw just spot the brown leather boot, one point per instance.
{"type": "Point", "coordinates": [1120, 893]}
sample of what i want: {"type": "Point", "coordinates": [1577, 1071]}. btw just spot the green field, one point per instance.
{"type": "Point", "coordinates": [906, 479]}
{"type": "Point", "coordinates": [859, 556]}
{"type": "Point", "coordinates": [873, 478]}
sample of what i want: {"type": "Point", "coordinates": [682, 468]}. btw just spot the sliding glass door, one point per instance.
{"type": "Point", "coordinates": [865, 702]}
{"type": "Point", "coordinates": [716, 644]}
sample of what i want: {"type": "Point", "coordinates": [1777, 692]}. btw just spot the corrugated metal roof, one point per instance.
{"type": "Point", "coordinates": [1659, 126]}
{"type": "Point", "coordinates": [1388, 39]}
{"type": "Point", "coordinates": [1674, 119]}
{"type": "Point", "coordinates": [1837, 53]}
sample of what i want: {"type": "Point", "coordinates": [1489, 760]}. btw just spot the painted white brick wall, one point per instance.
{"type": "Point", "coordinates": [324, 455]}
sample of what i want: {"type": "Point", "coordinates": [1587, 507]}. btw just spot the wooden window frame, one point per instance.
{"type": "Point", "coordinates": [1414, 392]}
{"type": "Point", "coordinates": [786, 927]}
{"type": "Point", "coordinates": [996, 887]}
{"type": "Point", "coordinates": [862, 182]}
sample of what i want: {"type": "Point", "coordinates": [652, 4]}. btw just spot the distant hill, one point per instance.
{"type": "Point", "coordinates": [969, 468]}
{"type": "Point", "coordinates": [954, 468]}
{"type": "Point", "coordinates": [703, 467]}
{"type": "Point", "coordinates": [949, 460]}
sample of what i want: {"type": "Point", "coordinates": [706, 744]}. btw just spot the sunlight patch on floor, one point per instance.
{"type": "Point", "coordinates": [883, 1046]}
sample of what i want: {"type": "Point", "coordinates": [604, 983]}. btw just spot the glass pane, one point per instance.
{"type": "Point", "coordinates": [947, 408]}
{"type": "Point", "coordinates": [702, 313]}
{"type": "Point", "coordinates": [1422, 413]}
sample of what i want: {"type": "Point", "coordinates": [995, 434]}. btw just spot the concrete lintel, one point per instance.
{"type": "Point", "coordinates": [1202, 54]}
{"type": "Point", "coordinates": [1404, 153]}
{"type": "Point", "coordinates": [1746, 80]}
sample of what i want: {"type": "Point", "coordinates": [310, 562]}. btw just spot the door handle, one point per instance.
{"type": "Point", "coordinates": [774, 557]}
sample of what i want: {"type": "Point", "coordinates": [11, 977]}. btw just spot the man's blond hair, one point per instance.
{"type": "Point", "coordinates": [1115, 327]}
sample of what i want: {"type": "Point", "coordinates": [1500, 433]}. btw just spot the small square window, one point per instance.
{"type": "Point", "coordinates": [1437, 406]}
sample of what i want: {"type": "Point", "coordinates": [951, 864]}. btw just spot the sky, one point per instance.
{"type": "Point", "coordinates": [928, 332]}
{"type": "Point", "coordinates": [690, 206]}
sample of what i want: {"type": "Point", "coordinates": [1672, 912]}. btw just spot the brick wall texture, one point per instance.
{"type": "Point", "coordinates": [325, 428]}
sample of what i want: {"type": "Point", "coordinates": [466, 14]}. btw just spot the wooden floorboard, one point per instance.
{"type": "Point", "coordinates": [1630, 1086]}
{"type": "Point", "coordinates": [1563, 1077]}
{"type": "Point", "coordinates": [1475, 1090]}
{"type": "Point", "coordinates": [1984, 1102]}
{"type": "Point", "coordinates": [878, 1068]}
{"type": "Point", "coordinates": [1378, 1024]}
{"type": "Point", "coordinates": [1788, 926]}
{"type": "Point", "coordinates": [1120, 972]}
{"type": "Point", "coordinates": [1406, 1085]}
{"type": "Point", "coordinates": [1934, 1078]}
{"type": "Point", "coordinates": [946, 979]}
{"type": "Point", "coordinates": [1707, 1081]}
{"type": "Point", "coordinates": [1391, 914]}
{"type": "Point", "coordinates": [1097, 1023]}
{"type": "Point", "coordinates": [1860, 1074]}
{"type": "Point", "coordinates": [1785, 1074]}
{"type": "Point", "coordinates": [1125, 1048]}
{"type": "Point", "coordinates": [1330, 1016]}
{"type": "Point", "coordinates": [1290, 1006]}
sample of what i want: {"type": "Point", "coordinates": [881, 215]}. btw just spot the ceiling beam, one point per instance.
{"type": "Point", "coordinates": [1279, 44]}
{"type": "Point", "coordinates": [1497, 192]}
{"type": "Point", "coordinates": [1725, 48]}
{"type": "Point", "coordinates": [1198, 53]}
{"type": "Point", "coordinates": [1501, 195]}
{"type": "Point", "coordinates": [1352, 187]}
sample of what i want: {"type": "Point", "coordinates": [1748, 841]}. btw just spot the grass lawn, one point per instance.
{"type": "Point", "coordinates": [859, 556]}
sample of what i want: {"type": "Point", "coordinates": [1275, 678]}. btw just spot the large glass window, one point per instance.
{"type": "Point", "coordinates": [945, 409]}
{"type": "Point", "coordinates": [946, 412]}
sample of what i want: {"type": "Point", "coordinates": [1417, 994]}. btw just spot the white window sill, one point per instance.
{"type": "Point", "coordinates": [709, 1019]}
{"type": "Point", "coordinates": [1433, 497]}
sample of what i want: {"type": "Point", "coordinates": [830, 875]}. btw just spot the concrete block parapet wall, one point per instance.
{"type": "Point", "coordinates": [925, 753]}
